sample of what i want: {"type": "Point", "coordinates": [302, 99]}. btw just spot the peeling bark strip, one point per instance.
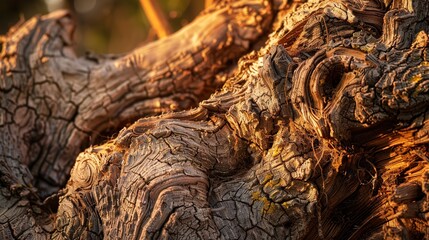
{"type": "Point", "coordinates": [322, 133]}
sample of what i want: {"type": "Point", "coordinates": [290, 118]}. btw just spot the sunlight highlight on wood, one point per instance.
{"type": "Point", "coordinates": [156, 17]}
{"type": "Point", "coordinates": [208, 3]}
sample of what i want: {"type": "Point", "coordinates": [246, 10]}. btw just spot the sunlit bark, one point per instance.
{"type": "Point", "coordinates": [320, 132]}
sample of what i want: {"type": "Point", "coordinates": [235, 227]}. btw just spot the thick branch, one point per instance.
{"type": "Point", "coordinates": [86, 96]}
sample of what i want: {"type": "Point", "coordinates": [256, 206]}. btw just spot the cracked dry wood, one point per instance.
{"type": "Point", "coordinates": [322, 133]}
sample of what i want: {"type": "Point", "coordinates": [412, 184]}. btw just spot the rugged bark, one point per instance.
{"type": "Point", "coordinates": [321, 133]}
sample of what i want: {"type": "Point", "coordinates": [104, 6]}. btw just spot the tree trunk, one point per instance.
{"type": "Point", "coordinates": [318, 132]}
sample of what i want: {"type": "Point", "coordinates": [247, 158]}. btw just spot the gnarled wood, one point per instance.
{"type": "Point", "coordinates": [322, 133]}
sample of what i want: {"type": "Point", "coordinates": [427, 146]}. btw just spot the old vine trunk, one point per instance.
{"type": "Point", "coordinates": [259, 120]}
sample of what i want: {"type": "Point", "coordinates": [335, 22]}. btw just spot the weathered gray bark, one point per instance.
{"type": "Point", "coordinates": [320, 133]}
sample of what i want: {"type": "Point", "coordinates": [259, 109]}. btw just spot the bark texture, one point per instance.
{"type": "Point", "coordinates": [320, 132]}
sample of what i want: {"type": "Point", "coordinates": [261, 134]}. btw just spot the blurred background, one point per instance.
{"type": "Point", "coordinates": [105, 26]}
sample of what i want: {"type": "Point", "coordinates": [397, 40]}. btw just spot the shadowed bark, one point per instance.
{"type": "Point", "coordinates": [320, 132]}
